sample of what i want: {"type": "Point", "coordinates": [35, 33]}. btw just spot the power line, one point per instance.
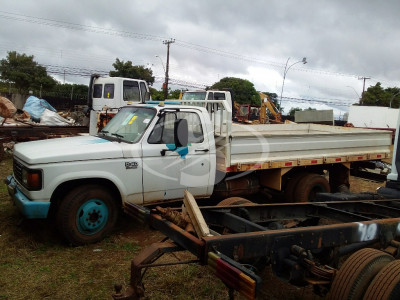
{"type": "Point", "coordinates": [338, 102]}
{"type": "Point", "coordinates": [94, 29]}
{"type": "Point", "coordinates": [75, 26]}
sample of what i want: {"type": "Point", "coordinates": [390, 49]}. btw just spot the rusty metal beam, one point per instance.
{"type": "Point", "coordinates": [43, 132]}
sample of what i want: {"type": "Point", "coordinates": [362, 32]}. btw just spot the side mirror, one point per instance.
{"type": "Point", "coordinates": [181, 133]}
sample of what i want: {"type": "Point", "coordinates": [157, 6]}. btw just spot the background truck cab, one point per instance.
{"type": "Point", "coordinates": [107, 95]}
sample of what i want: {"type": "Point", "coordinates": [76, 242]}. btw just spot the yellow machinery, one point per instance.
{"type": "Point", "coordinates": [246, 113]}
{"type": "Point", "coordinates": [268, 104]}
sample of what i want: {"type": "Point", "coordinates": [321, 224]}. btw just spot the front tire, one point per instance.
{"type": "Point", "coordinates": [87, 214]}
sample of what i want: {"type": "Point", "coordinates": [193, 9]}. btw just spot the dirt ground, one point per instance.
{"type": "Point", "coordinates": [34, 256]}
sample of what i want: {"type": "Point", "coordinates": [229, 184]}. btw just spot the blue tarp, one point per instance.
{"type": "Point", "coordinates": [35, 107]}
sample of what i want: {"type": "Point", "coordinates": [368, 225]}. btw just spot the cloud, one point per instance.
{"type": "Point", "coordinates": [342, 40]}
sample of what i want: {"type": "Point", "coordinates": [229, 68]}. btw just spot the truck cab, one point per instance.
{"type": "Point", "coordinates": [107, 95]}
{"type": "Point", "coordinates": [146, 154]}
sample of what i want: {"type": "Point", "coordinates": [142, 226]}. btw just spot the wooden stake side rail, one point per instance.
{"type": "Point", "coordinates": [241, 167]}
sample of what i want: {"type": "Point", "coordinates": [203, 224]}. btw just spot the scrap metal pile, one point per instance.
{"type": "Point", "coordinates": [35, 112]}
{"type": "Point", "coordinates": [36, 120]}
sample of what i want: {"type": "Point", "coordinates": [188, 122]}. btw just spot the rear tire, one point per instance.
{"type": "Point", "coordinates": [234, 201]}
{"type": "Point", "coordinates": [357, 272]}
{"type": "Point", "coordinates": [386, 284]}
{"type": "Point", "coordinates": [291, 186]}
{"type": "Point", "coordinates": [308, 186]}
{"type": "Point", "coordinates": [257, 263]}
{"type": "Point", "coordinates": [87, 214]}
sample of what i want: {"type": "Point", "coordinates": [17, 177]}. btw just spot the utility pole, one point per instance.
{"type": "Point", "coordinates": [167, 67]}
{"type": "Point", "coordinates": [362, 95]}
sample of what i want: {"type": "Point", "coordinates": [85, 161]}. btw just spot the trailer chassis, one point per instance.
{"type": "Point", "coordinates": [303, 242]}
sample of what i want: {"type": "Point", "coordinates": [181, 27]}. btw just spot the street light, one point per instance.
{"type": "Point", "coordinates": [390, 105]}
{"type": "Point", "coordinates": [304, 61]}
{"type": "Point", "coordinates": [161, 62]}
{"type": "Point", "coordinates": [354, 92]}
{"type": "Point", "coordinates": [165, 87]}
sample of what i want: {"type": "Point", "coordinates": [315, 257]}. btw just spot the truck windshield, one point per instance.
{"type": "Point", "coordinates": [194, 96]}
{"type": "Point", "coordinates": [129, 124]}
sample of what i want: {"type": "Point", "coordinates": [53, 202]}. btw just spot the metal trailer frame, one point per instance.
{"type": "Point", "coordinates": [302, 242]}
{"type": "Point", "coordinates": [30, 132]}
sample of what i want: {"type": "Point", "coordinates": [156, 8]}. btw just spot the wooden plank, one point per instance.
{"type": "Point", "coordinates": [195, 215]}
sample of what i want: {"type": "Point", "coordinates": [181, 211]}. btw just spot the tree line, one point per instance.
{"type": "Point", "coordinates": [378, 96]}
{"type": "Point", "coordinates": [20, 73]}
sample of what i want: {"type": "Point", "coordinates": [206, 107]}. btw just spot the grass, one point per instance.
{"type": "Point", "coordinates": [35, 263]}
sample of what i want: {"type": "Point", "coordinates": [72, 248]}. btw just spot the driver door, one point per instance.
{"type": "Point", "coordinates": [165, 177]}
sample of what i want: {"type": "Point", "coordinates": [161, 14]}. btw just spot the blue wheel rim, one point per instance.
{"type": "Point", "coordinates": [92, 216]}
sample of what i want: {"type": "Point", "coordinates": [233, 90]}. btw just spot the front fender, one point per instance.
{"type": "Point", "coordinates": [127, 181]}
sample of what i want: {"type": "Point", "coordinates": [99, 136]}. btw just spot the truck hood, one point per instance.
{"type": "Point", "coordinates": [67, 149]}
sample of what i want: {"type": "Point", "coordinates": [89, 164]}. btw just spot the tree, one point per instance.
{"type": "Point", "coordinates": [174, 94]}
{"type": "Point", "coordinates": [156, 94]}
{"type": "Point", "coordinates": [159, 94]}
{"type": "Point", "coordinates": [243, 90]}
{"type": "Point", "coordinates": [377, 96]}
{"type": "Point", "coordinates": [25, 73]}
{"type": "Point", "coordinates": [293, 110]}
{"type": "Point", "coordinates": [80, 90]}
{"type": "Point", "coordinates": [126, 69]}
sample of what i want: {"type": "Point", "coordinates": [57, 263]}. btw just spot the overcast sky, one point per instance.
{"type": "Point", "coordinates": [253, 40]}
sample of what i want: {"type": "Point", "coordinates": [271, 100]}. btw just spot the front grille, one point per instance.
{"type": "Point", "coordinates": [17, 168]}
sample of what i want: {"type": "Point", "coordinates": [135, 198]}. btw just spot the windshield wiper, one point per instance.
{"type": "Point", "coordinates": [103, 132]}
{"type": "Point", "coordinates": [118, 136]}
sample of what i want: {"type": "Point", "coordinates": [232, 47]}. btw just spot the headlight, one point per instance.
{"type": "Point", "coordinates": [32, 179]}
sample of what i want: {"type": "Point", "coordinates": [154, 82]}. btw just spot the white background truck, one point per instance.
{"type": "Point", "coordinates": [108, 94]}
{"type": "Point", "coordinates": [151, 153]}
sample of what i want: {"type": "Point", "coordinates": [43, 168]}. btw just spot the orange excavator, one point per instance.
{"type": "Point", "coordinates": [252, 114]}
{"type": "Point", "coordinates": [268, 104]}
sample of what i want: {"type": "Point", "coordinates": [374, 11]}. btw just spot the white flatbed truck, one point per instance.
{"type": "Point", "coordinates": [149, 153]}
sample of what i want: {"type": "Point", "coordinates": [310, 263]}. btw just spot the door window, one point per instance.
{"type": "Point", "coordinates": [109, 91]}
{"type": "Point", "coordinates": [131, 91]}
{"type": "Point", "coordinates": [143, 91]}
{"type": "Point", "coordinates": [163, 132]}
{"type": "Point", "coordinates": [97, 90]}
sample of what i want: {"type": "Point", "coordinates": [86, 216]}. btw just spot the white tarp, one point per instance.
{"type": "Point", "coordinates": [52, 118]}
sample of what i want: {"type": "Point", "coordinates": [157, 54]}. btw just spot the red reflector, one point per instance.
{"type": "Point", "coordinates": [228, 169]}
{"type": "Point", "coordinates": [228, 274]}
{"type": "Point", "coordinates": [379, 156]}
{"type": "Point", "coordinates": [338, 159]}
{"type": "Point", "coordinates": [257, 166]}
{"type": "Point", "coordinates": [288, 164]}
{"type": "Point", "coordinates": [314, 161]}
{"type": "Point", "coordinates": [360, 157]}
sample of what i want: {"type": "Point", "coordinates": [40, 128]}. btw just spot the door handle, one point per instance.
{"type": "Point", "coordinates": [202, 150]}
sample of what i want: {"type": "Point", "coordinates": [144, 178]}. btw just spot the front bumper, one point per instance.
{"type": "Point", "coordinates": [29, 209]}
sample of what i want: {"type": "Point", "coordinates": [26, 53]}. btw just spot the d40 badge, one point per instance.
{"type": "Point", "coordinates": [131, 165]}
